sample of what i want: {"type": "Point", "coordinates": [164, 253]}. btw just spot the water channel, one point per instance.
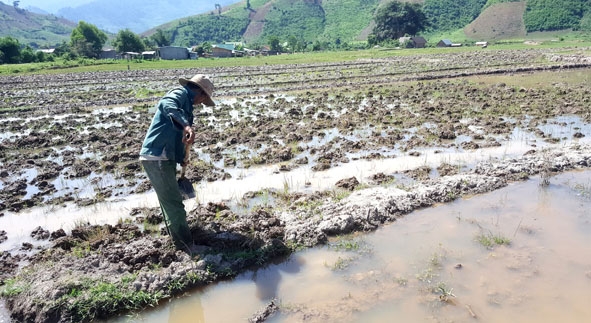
{"type": "Point", "coordinates": [439, 264]}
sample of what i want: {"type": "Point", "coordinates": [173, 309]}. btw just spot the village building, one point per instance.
{"type": "Point", "coordinates": [130, 55]}
{"type": "Point", "coordinates": [448, 43]}
{"type": "Point", "coordinates": [172, 52]}
{"type": "Point", "coordinates": [150, 54]}
{"type": "Point", "coordinates": [226, 50]}
{"type": "Point", "coordinates": [47, 51]}
{"type": "Point", "coordinates": [418, 42]}
{"type": "Point", "coordinates": [444, 43]}
{"type": "Point", "coordinates": [108, 54]}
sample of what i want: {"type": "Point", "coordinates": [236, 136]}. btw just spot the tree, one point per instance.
{"type": "Point", "coordinates": [395, 19]}
{"type": "Point", "coordinates": [62, 49]}
{"type": "Point", "coordinates": [11, 49]}
{"type": "Point", "coordinates": [160, 38]}
{"type": "Point", "coordinates": [274, 43]}
{"type": "Point", "coordinates": [292, 42]}
{"type": "Point", "coordinates": [127, 41]}
{"type": "Point", "coordinates": [207, 47]}
{"type": "Point", "coordinates": [87, 40]}
{"type": "Point", "coordinates": [149, 42]}
{"type": "Point", "coordinates": [28, 55]}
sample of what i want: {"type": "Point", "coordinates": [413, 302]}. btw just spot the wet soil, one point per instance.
{"type": "Point", "coordinates": [75, 138]}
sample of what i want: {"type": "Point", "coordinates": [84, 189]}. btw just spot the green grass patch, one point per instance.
{"type": "Point", "coordinates": [491, 240]}
{"type": "Point", "coordinates": [97, 299]}
{"type": "Point", "coordinates": [345, 243]}
{"type": "Point", "coordinates": [13, 287]}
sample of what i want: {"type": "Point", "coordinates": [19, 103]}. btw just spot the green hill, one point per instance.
{"type": "Point", "coordinates": [326, 21]}
{"type": "Point", "coordinates": [350, 20]}
{"type": "Point", "coordinates": [33, 29]}
{"type": "Point", "coordinates": [307, 20]}
{"type": "Point", "coordinates": [544, 15]}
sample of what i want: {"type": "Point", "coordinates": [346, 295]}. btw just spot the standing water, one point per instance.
{"type": "Point", "coordinates": [519, 254]}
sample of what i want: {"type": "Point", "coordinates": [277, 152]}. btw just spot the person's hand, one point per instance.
{"type": "Point", "coordinates": [188, 135]}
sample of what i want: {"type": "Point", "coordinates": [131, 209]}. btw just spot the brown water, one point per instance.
{"type": "Point", "coordinates": [429, 266]}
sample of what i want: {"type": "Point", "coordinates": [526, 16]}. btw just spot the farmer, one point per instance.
{"type": "Point", "coordinates": [164, 148]}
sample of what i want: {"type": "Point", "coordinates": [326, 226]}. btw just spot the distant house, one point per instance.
{"type": "Point", "coordinates": [130, 55]}
{"type": "Point", "coordinates": [418, 42]}
{"type": "Point", "coordinates": [47, 51]}
{"type": "Point", "coordinates": [444, 43]}
{"type": "Point", "coordinates": [172, 52]}
{"type": "Point", "coordinates": [482, 44]}
{"type": "Point", "coordinates": [252, 52]}
{"type": "Point", "coordinates": [151, 54]}
{"type": "Point", "coordinates": [108, 53]}
{"type": "Point", "coordinates": [223, 50]}
{"type": "Point", "coordinates": [266, 50]}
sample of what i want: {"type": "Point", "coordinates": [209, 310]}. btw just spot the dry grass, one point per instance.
{"type": "Point", "coordinates": [499, 21]}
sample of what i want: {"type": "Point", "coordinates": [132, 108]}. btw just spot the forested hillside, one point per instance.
{"type": "Point", "coordinates": [31, 28]}
{"type": "Point", "coordinates": [345, 20]}
{"type": "Point", "coordinates": [329, 20]}
{"type": "Point", "coordinates": [452, 14]}
{"type": "Point", "coordinates": [542, 15]}
{"type": "Point", "coordinates": [333, 22]}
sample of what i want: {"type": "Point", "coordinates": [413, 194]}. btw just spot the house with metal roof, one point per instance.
{"type": "Point", "coordinates": [173, 52]}
{"type": "Point", "coordinates": [223, 50]}
{"type": "Point", "coordinates": [418, 42]}
{"type": "Point", "coordinates": [444, 43]}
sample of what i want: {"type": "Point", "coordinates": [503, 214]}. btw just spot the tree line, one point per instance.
{"type": "Point", "coordinates": [86, 41]}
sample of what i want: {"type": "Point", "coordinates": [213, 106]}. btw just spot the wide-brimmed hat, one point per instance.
{"type": "Point", "coordinates": [204, 83]}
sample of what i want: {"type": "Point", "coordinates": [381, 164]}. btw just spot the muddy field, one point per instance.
{"type": "Point", "coordinates": [74, 139]}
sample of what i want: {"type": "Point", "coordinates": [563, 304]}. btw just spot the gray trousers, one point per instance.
{"type": "Point", "coordinates": [162, 175]}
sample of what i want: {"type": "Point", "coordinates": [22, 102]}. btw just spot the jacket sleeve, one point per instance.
{"type": "Point", "coordinates": [172, 108]}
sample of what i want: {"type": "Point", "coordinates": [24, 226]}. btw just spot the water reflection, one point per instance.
{"type": "Point", "coordinates": [432, 265]}
{"type": "Point", "coordinates": [267, 279]}
{"type": "Point", "coordinates": [186, 310]}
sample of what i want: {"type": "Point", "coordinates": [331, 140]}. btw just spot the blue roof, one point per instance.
{"type": "Point", "coordinates": [226, 46]}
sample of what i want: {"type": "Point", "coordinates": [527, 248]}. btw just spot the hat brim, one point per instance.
{"type": "Point", "coordinates": [208, 102]}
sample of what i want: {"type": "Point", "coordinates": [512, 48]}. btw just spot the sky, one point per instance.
{"type": "Point", "coordinates": [51, 6]}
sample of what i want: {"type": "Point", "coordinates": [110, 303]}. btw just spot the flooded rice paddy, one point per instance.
{"type": "Point", "coordinates": [302, 179]}
{"type": "Point", "coordinates": [519, 254]}
{"type": "Point", "coordinates": [323, 194]}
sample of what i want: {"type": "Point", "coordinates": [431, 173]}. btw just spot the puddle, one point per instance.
{"type": "Point", "coordinates": [4, 316]}
{"type": "Point", "coordinates": [428, 266]}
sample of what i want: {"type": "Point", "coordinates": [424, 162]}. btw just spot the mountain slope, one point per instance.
{"type": "Point", "coordinates": [137, 15]}
{"type": "Point", "coordinates": [499, 21]}
{"type": "Point", "coordinates": [33, 29]}
{"type": "Point", "coordinates": [308, 20]}
{"type": "Point", "coordinates": [326, 21]}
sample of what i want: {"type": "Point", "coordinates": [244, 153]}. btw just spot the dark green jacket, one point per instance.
{"type": "Point", "coordinates": [173, 112]}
